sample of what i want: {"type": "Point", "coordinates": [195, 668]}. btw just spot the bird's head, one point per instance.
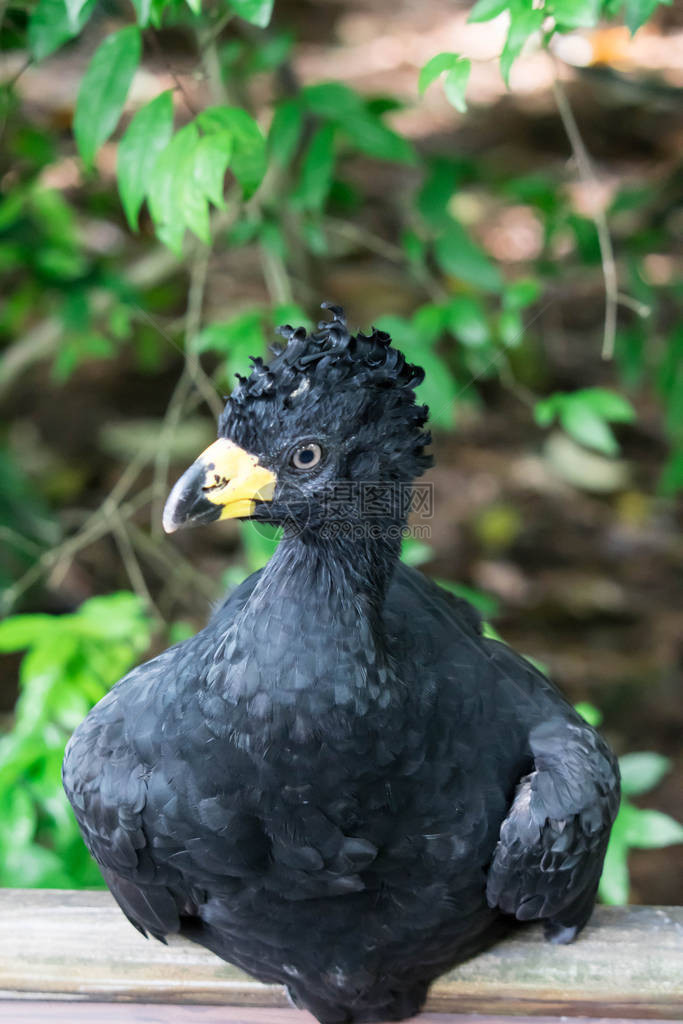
{"type": "Point", "coordinates": [303, 438]}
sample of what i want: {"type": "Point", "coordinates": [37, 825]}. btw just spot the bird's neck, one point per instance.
{"type": "Point", "coordinates": [309, 641]}
{"type": "Point", "coordinates": [338, 576]}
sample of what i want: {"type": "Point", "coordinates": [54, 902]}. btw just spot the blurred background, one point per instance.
{"type": "Point", "coordinates": [177, 179]}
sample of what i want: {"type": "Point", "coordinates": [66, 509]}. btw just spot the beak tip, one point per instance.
{"type": "Point", "coordinates": [169, 518]}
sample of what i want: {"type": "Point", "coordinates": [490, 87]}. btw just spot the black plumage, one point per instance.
{"type": "Point", "coordinates": [339, 784]}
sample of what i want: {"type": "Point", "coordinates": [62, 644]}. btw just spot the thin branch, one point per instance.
{"type": "Point", "coordinates": [156, 45]}
{"type": "Point", "coordinates": [203, 382]}
{"type": "Point", "coordinates": [208, 51]}
{"type": "Point", "coordinates": [11, 536]}
{"type": "Point", "coordinates": [359, 235]}
{"type": "Point", "coordinates": [367, 239]}
{"type": "Point", "coordinates": [275, 275]}
{"type": "Point", "coordinates": [212, 33]}
{"type": "Point", "coordinates": [171, 421]}
{"type": "Point", "coordinates": [179, 572]}
{"type": "Point", "coordinates": [193, 322]}
{"type": "Point", "coordinates": [524, 394]}
{"type": "Point", "coordinates": [641, 309]}
{"type": "Point", "coordinates": [57, 560]}
{"type": "Point", "coordinates": [599, 218]}
{"type": "Point", "coordinates": [131, 563]}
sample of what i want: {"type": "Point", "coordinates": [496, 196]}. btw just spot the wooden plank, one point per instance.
{"type": "Point", "coordinates": [77, 946]}
{"type": "Point", "coordinates": [157, 1013]}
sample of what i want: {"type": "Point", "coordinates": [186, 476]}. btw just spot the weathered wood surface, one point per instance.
{"type": "Point", "coordinates": [77, 946]}
{"type": "Point", "coordinates": [157, 1013]}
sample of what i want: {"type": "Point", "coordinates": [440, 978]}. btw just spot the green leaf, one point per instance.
{"type": "Point", "coordinates": [172, 236]}
{"type": "Point", "coordinates": [486, 10]}
{"type": "Point", "coordinates": [165, 190]}
{"type": "Point", "coordinates": [211, 159]}
{"type": "Point", "coordinates": [490, 632]}
{"type": "Point", "coordinates": [167, 187]}
{"type": "Point", "coordinates": [235, 340]}
{"type": "Point", "coordinates": [256, 12]}
{"type": "Point", "coordinates": [459, 256]}
{"type": "Point", "coordinates": [523, 23]}
{"type": "Point", "coordinates": [73, 11]}
{"type": "Point", "coordinates": [314, 236]}
{"type": "Point", "coordinates": [638, 11]}
{"type": "Point", "coordinates": [614, 882]}
{"type": "Point", "coordinates": [414, 248]}
{"type": "Point", "coordinates": [117, 616]}
{"type": "Point", "coordinates": [317, 170]}
{"type": "Point", "coordinates": [49, 26]}
{"type": "Point", "coordinates": [147, 135]}
{"type": "Point", "coordinates": [429, 323]}
{"type": "Point", "coordinates": [521, 293]}
{"type": "Point", "coordinates": [12, 208]}
{"type": "Point", "coordinates": [650, 830]}
{"type": "Point", "coordinates": [629, 351]}
{"type": "Point", "coordinates": [589, 713]}
{"type": "Point", "coordinates": [285, 131]}
{"type": "Point", "coordinates": [586, 427]}
{"type": "Point", "coordinates": [570, 14]}
{"type": "Point", "coordinates": [272, 52]}
{"type": "Point", "coordinates": [436, 192]}
{"type": "Point", "coordinates": [488, 605]}
{"type": "Point", "coordinates": [188, 173]}
{"type": "Point", "coordinates": [142, 9]}
{"type": "Point", "coordinates": [195, 6]}
{"type": "Point", "coordinates": [671, 479]}
{"type": "Point", "coordinates": [607, 404]}
{"type": "Point", "coordinates": [642, 771]}
{"type": "Point", "coordinates": [341, 105]}
{"type": "Point", "coordinates": [272, 239]}
{"type": "Point", "coordinates": [455, 85]}
{"type": "Point", "coordinates": [510, 328]}
{"type": "Point", "coordinates": [467, 321]}
{"type": "Point", "coordinates": [332, 101]}
{"type": "Point", "coordinates": [193, 203]}
{"type": "Point", "coordinates": [248, 162]}
{"type": "Point", "coordinates": [179, 631]}
{"type": "Point", "coordinates": [20, 631]}
{"type": "Point", "coordinates": [289, 313]}
{"type": "Point", "coordinates": [260, 541]}
{"type": "Point", "coordinates": [103, 90]}
{"type": "Point", "coordinates": [439, 389]}
{"type": "Point", "coordinates": [214, 338]}
{"type": "Point", "coordinates": [435, 67]}
{"type": "Point", "coordinates": [415, 552]}
{"type": "Point", "coordinates": [371, 136]}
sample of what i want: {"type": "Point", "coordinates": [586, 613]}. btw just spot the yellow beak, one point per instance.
{"type": "Point", "coordinates": [225, 482]}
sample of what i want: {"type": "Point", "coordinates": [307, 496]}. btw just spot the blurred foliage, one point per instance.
{"type": "Point", "coordinates": [279, 181]}
{"type": "Point", "coordinates": [635, 828]}
{"type": "Point", "coordinates": [295, 176]}
{"type": "Point", "coordinates": [72, 662]}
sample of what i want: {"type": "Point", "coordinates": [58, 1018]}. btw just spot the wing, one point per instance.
{"type": "Point", "coordinates": [106, 784]}
{"type": "Point", "coordinates": [109, 765]}
{"type": "Point", "coordinates": [552, 844]}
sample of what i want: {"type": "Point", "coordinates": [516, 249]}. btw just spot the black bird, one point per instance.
{"type": "Point", "coordinates": [339, 784]}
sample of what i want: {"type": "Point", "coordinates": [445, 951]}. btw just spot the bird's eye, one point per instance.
{"type": "Point", "coordinates": [308, 456]}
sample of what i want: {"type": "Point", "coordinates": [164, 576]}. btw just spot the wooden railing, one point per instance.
{"type": "Point", "coordinates": [72, 956]}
